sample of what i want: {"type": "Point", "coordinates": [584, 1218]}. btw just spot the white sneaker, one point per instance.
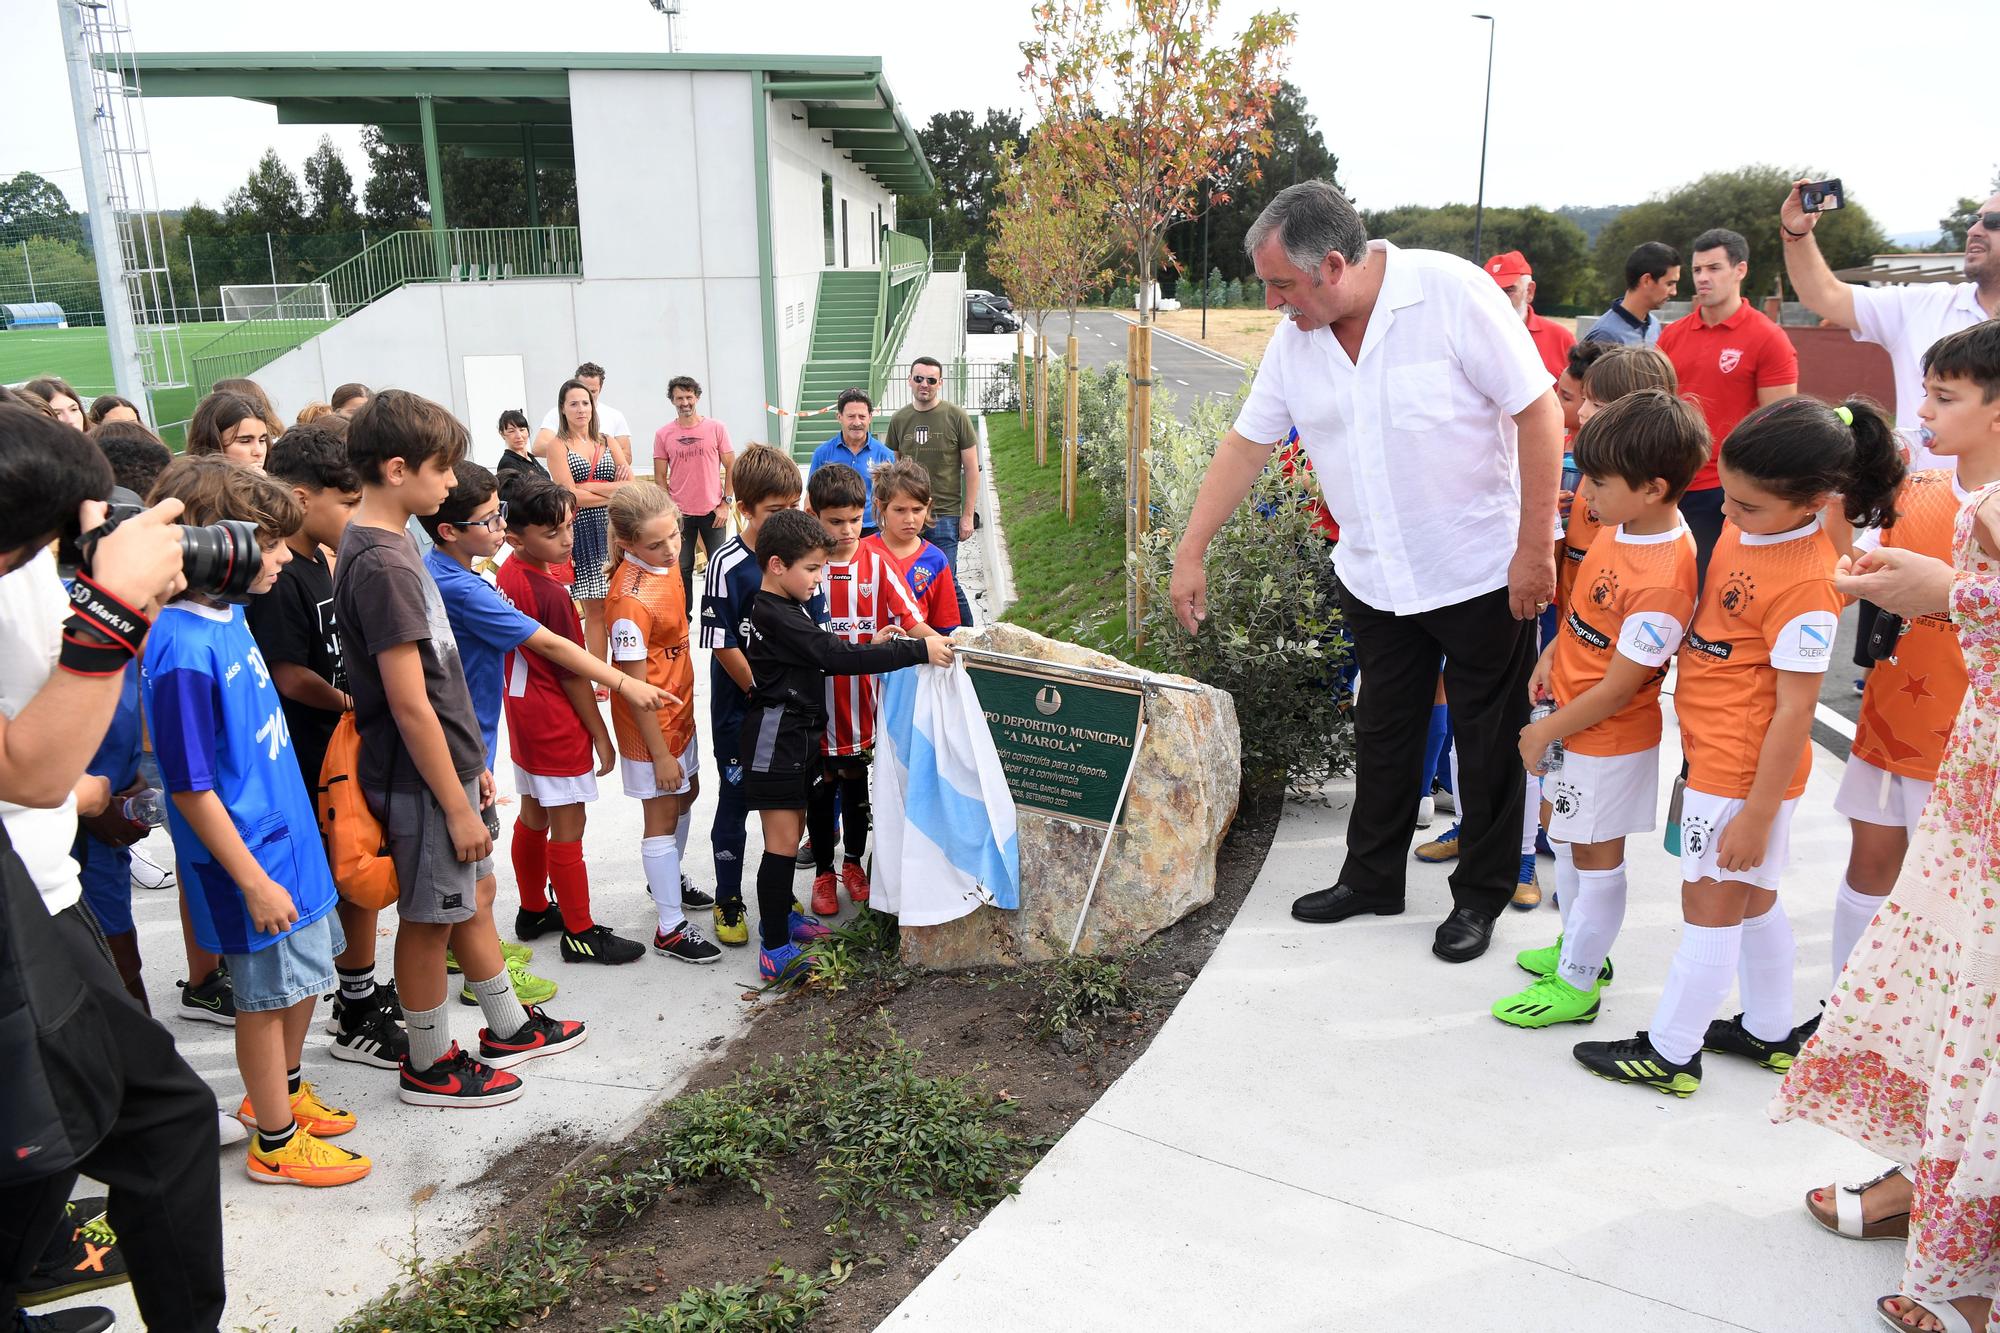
{"type": "Point", "coordinates": [1445, 802]}
{"type": "Point", "coordinates": [1426, 812]}
{"type": "Point", "coordinates": [146, 875]}
{"type": "Point", "coordinates": [230, 1130]}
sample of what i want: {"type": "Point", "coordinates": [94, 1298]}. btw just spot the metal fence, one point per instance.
{"type": "Point", "coordinates": [977, 384]}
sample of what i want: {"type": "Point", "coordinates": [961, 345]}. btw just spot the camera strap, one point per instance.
{"type": "Point", "coordinates": [102, 633]}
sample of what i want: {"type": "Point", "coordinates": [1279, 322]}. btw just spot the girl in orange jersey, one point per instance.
{"type": "Point", "coordinates": [1749, 680]}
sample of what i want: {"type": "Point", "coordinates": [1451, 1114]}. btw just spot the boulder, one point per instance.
{"type": "Point", "coordinates": [1162, 861]}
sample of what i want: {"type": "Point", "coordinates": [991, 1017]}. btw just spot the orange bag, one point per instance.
{"type": "Point", "coordinates": [356, 849]}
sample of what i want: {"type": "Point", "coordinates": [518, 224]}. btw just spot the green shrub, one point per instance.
{"type": "Point", "coordinates": [783, 1301]}
{"type": "Point", "coordinates": [1078, 990]}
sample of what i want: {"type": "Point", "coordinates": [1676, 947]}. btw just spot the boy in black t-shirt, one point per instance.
{"type": "Point", "coordinates": [294, 629]}
{"type": "Point", "coordinates": [790, 657]}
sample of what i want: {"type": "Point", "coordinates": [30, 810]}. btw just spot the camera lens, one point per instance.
{"type": "Point", "coordinates": [222, 559]}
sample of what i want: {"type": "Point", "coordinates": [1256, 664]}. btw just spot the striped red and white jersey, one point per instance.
{"type": "Point", "coordinates": [863, 594]}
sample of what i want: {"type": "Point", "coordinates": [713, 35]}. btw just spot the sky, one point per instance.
{"type": "Point", "coordinates": [1592, 104]}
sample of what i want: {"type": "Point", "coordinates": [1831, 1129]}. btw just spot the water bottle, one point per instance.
{"type": "Point", "coordinates": [1672, 838]}
{"type": "Point", "coordinates": [1572, 477]}
{"type": "Point", "coordinates": [149, 807]}
{"type": "Point", "coordinates": [1552, 758]}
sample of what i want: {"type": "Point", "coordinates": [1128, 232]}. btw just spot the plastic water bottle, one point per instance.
{"type": "Point", "coordinates": [149, 807]}
{"type": "Point", "coordinates": [1572, 477]}
{"type": "Point", "coordinates": [1552, 758]}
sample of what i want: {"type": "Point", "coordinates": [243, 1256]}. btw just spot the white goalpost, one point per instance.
{"type": "Point", "coordinates": [280, 300]}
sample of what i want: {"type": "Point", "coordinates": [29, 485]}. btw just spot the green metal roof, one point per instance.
{"type": "Point", "coordinates": [482, 100]}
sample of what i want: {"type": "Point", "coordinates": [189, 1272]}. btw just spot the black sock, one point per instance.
{"type": "Point", "coordinates": [292, 1081]}
{"type": "Point", "coordinates": [854, 815]}
{"type": "Point", "coordinates": [820, 825]}
{"type": "Point", "coordinates": [774, 900]}
{"type": "Point", "coordinates": [356, 983]}
{"type": "Point", "coordinates": [268, 1142]}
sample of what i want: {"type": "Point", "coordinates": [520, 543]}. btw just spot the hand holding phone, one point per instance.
{"type": "Point", "coordinates": [1822, 196]}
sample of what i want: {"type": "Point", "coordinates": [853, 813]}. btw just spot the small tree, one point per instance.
{"type": "Point", "coordinates": [330, 202]}
{"type": "Point", "coordinates": [1150, 109]}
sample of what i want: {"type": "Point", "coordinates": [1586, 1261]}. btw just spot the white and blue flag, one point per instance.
{"type": "Point", "coordinates": [945, 835]}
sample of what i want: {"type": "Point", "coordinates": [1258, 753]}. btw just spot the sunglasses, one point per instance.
{"type": "Point", "coordinates": [923, 379]}
{"type": "Point", "coordinates": [1990, 221]}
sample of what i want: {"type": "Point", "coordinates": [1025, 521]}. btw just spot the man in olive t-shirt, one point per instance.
{"type": "Point", "coordinates": [941, 438]}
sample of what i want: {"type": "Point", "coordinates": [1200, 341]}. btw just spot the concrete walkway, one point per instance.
{"type": "Point", "coordinates": [1332, 1133]}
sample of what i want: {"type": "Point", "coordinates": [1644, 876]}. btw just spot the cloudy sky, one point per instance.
{"type": "Point", "coordinates": [1592, 104]}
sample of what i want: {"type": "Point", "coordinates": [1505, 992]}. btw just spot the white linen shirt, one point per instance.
{"type": "Point", "coordinates": [1413, 442]}
{"type": "Point", "coordinates": [33, 607]}
{"type": "Point", "coordinates": [1905, 321]}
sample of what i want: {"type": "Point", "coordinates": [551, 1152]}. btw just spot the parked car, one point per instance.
{"type": "Point", "coordinates": [983, 318]}
{"type": "Point", "coordinates": [994, 299]}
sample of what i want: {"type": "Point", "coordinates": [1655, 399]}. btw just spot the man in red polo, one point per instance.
{"type": "Point", "coordinates": [1516, 279]}
{"type": "Point", "coordinates": [1731, 360]}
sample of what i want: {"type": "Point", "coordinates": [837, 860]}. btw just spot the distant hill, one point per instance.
{"type": "Point", "coordinates": [1591, 219]}
{"type": "Point", "coordinates": [1918, 240]}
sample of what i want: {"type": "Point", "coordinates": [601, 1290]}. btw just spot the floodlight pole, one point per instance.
{"type": "Point", "coordinates": [1479, 209]}
{"type": "Point", "coordinates": [126, 371]}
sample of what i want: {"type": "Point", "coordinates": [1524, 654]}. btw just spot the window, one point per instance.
{"type": "Point", "coordinates": [826, 213]}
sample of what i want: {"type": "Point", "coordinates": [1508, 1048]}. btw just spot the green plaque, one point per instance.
{"type": "Point", "coordinates": [1065, 745]}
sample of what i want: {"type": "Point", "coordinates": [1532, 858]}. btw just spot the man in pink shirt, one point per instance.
{"type": "Point", "coordinates": [691, 458]}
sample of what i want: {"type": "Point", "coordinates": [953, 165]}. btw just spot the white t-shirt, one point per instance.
{"type": "Point", "coordinates": [1905, 321]}
{"type": "Point", "coordinates": [32, 610]}
{"type": "Point", "coordinates": [609, 420]}
{"type": "Point", "coordinates": [1413, 443]}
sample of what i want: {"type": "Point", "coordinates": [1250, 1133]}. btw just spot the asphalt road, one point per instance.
{"type": "Point", "coordinates": [1187, 372]}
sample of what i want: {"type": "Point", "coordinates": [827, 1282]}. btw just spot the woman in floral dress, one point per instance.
{"type": "Point", "coordinates": [1904, 1059]}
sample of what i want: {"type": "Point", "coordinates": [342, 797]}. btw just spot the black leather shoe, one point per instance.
{"type": "Point", "coordinates": [1463, 936]}
{"type": "Point", "coordinates": [1325, 906]}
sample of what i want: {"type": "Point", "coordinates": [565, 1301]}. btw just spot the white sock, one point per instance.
{"type": "Point", "coordinates": [1592, 923]}
{"type": "Point", "coordinates": [1765, 970]}
{"type": "Point", "coordinates": [1531, 814]}
{"type": "Point", "coordinates": [1457, 787]}
{"type": "Point", "coordinates": [663, 877]}
{"type": "Point", "coordinates": [1852, 911]}
{"type": "Point", "coordinates": [681, 833]}
{"type": "Point", "coordinates": [1565, 880]}
{"type": "Point", "coordinates": [1698, 982]}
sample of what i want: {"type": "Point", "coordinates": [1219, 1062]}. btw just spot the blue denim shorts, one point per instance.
{"type": "Point", "coordinates": [298, 967]}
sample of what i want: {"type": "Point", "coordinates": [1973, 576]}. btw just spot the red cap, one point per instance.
{"type": "Point", "coordinates": [1505, 268]}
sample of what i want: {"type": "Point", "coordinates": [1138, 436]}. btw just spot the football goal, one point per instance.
{"type": "Point", "coordinates": [282, 300]}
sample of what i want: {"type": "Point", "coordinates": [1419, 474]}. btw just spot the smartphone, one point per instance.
{"type": "Point", "coordinates": [1821, 196]}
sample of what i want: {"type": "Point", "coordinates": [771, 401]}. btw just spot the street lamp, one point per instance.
{"type": "Point", "coordinates": [1479, 209]}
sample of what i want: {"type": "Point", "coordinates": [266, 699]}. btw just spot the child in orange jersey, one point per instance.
{"type": "Point", "coordinates": [1634, 599]}
{"type": "Point", "coordinates": [1749, 680]}
{"type": "Point", "coordinates": [646, 608]}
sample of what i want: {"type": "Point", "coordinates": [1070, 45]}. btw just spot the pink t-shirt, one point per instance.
{"type": "Point", "coordinates": [693, 455]}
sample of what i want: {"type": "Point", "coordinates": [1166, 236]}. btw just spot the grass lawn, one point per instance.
{"type": "Point", "coordinates": [1064, 573]}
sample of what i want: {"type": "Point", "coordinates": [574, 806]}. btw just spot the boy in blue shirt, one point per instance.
{"type": "Point", "coordinates": [258, 889]}
{"type": "Point", "coordinates": [858, 449]}
{"type": "Point", "coordinates": [467, 527]}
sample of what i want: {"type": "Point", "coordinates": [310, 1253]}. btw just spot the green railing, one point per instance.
{"type": "Point", "coordinates": [469, 254]}
{"type": "Point", "coordinates": [906, 264]}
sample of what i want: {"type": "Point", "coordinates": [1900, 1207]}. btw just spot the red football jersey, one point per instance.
{"type": "Point", "coordinates": [862, 595]}
{"type": "Point", "coordinates": [544, 734]}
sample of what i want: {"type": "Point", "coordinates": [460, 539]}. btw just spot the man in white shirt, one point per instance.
{"type": "Point", "coordinates": [610, 420]}
{"type": "Point", "coordinates": [1436, 438]}
{"type": "Point", "coordinates": [1903, 320]}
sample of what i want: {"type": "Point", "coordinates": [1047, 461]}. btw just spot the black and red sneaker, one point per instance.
{"type": "Point", "coordinates": [540, 1036]}
{"type": "Point", "coordinates": [458, 1080]}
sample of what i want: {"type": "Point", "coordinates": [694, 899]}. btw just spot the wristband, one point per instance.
{"type": "Point", "coordinates": [1795, 235]}
{"type": "Point", "coordinates": [102, 633]}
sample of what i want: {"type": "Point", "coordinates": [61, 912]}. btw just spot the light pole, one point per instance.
{"type": "Point", "coordinates": [1479, 209]}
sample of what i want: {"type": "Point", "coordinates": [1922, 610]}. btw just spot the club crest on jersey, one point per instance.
{"type": "Point", "coordinates": [921, 435]}
{"type": "Point", "coordinates": [1604, 589]}
{"type": "Point", "coordinates": [1731, 358]}
{"type": "Point", "coordinates": [1695, 834]}
{"type": "Point", "coordinates": [1566, 800]}
{"type": "Point", "coordinates": [1738, 591]}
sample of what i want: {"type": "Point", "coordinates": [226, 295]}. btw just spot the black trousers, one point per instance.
{"type": "Point", "coordinates": [159, 1160]}
{"type": "Point", "coordinates": [712, 535]}
{"type": "Point", "coordinates": [1488, 656]}
{"type": "Point", "coordinates": [1702, 511]}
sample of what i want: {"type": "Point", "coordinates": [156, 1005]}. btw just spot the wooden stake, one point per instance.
{"type": "Point", "coordinates": [1041, 399]}
{"type": "Point", "coordinates": [1142, 488]}
{"type": "Point", "coordinates": [1131, 472]}
{"type": "Point", "coordinates": [1021, 373]}
{"type": "Point", "coordinates": [1069, 441]}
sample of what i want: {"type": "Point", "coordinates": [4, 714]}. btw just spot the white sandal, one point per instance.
{"type": "Point", "coordinates": [1944, 1312]}
{"type": "Point", "coordinates": [1849, 1220]}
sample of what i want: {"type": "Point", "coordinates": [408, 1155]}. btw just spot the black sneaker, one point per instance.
{"type": "Point", "coordinates": [458, 1080]}
{"type": "Point", "coordinates": [691, 897]}
{"type": "Point", "coordinates": [1728, 1036]}
{"type": "Point", "coordinates": [599, 945]}
{"type": "Point", "coordinates": [1805, 1031]}
{"type": "Point", "coordinates": [686, 944]}
{"type": "Point", "coordinates": [533, 925]}
{"type": "Point", "coordinates": [539, 1036]}
{"type": "Point", "coordinates": [1635, 1061]}
{"type": "Point", "coordinates": [92, 1261]}
{"type": "Point", "coordinates": [210, 1000]}
{"type": "Point", "coordinates": [383, 997]}
{"type": "Point", "coordinates": [83, 1319]}
{"type": "Point", "coordinates": [365, 1034]}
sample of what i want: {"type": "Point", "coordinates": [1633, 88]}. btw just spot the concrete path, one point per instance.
{"type": "Point", "coordinates": [1332, 1133]}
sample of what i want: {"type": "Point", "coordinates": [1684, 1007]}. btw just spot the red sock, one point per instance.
{"type": "Point", "coordinates": [531, 866]}
{"type": "Point", "coordinates": [572, 885]}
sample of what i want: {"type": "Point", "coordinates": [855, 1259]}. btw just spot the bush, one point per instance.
{"type": "Point", "coordinates": [1234, 292]}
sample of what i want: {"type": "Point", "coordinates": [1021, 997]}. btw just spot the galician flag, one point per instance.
{"type": "Point", "coordinates": [945, 838]}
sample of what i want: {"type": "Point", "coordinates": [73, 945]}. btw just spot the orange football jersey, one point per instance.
{"type": "Point", "coordinates": [647, 613]}
{"type": "Point", "coordinates": [1580, 531]}
{"type": "Point", "coordinates": [1911, 702]}
{"type": "Point", "coordinates": [1635, 596]}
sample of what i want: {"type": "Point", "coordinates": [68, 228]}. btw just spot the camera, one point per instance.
{"type": "Point", "coordinates": [1821, 196]}
{"type": "Point", "coordinates": [1883, 637]}
{"type": "Point", "coordinates": [221, 560]}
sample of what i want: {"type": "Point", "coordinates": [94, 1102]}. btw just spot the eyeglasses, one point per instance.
{"type": "Point", "coordinates": [923, 379]}
{"type": "Point", "coordinates": [493, 522]}
{"type": "Point", "coordinates": [1990, 221]}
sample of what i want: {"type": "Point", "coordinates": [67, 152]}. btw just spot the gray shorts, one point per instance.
{"type": "Point", "coordinates": [433, 885]}
{"type": "Point", "coordinates": [297, 967]}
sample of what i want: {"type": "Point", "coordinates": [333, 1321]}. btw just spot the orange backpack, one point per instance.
{"type": "Point", "coordinates": [356, 850]}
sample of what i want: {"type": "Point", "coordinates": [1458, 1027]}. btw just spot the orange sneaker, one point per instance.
{"type": "Point", "coordinates": [313, 1115]}
{"type": "Point", "coordinates": [826, 899]}
{"type": "Point", "coordinates": [306, 1160]}
{"type": "Point", "coordinates": [855, 880]}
